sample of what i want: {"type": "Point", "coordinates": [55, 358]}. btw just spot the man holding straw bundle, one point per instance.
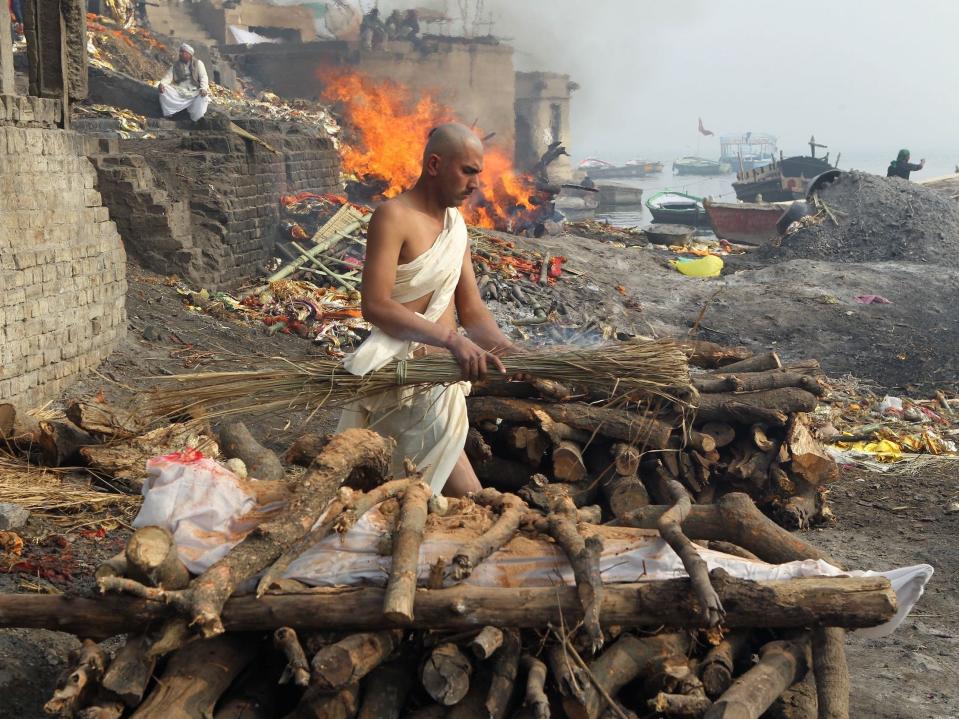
{"type": "Point", "coordinates": [417, 280]}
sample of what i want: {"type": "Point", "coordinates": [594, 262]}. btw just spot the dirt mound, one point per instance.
{"type": "Point", "coordinates": [879, 218]}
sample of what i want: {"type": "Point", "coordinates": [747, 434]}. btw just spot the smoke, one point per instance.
{"type": "Point", "coordinates": [862, 76]}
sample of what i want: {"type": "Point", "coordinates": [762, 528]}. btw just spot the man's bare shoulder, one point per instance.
{"type": "Point", "coordinates": [396, 208]}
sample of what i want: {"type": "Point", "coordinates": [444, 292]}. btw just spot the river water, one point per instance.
{"type": "Point", "coordinates": [720, 187]}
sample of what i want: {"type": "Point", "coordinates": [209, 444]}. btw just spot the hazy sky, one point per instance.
{"type": "Point", "coordinates": [866, 77]}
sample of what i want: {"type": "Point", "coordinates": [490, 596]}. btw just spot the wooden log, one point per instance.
{"type": "Point", "coordinates": [123, 460]}
{"type": "Point", "coordinates": [823, 601]}
{"type": "Point", "coordinates": [306, 448]}
{"type": "Point", "coordinates": [206, 595]}
{"type": "Point", "coordinates": [797, 702]}
{"type": "Point", "coordinates": [624, 494]}
{"type": "Point", "coordinates": [100, 418]}
{"type": "Point", "coordinates": [809, 459]}
{"type": "Point", "coordinates": [196, 676]}
{"type": "Point", "coordinates": [19, 432]}
{"type": "Point", "coordinates": [627, 658]}
{"type": "Point", "coordinates": [583, 554]}
{"type": "Point", "coordinates": [770, 406]}
{"type": "Point", "coordinates": [102, 709]}
{"type": "Point", "coordinates": [730, 548]}
{"type": "Point", "coordinates": [639, 430]}
{"type": "Point", "coordinates": [79, 682]}
{"type": "Point", "coordinates": [8, 418]}
{"type": "Point", "coordinates": [802, 509]}
{"type": "Point", "coordinates": [511, 510]}
{"type": "Point", "coordinates": [60, 442]}
{"type": "Point", "coordinates": [719, 381]}
{"type": "Point", "coordinates": [446, 674]}
{"type": "Point", "coordinates": [174, 633]}
{"type": "Point", "coordinates": [721, 433]}
{"type": "Point", "coordinates": [485, 644]}
{"type": "Point", "coordinates": [570, 678]}
{"type": "Point", "coordinates": [131, 670]}
{"type": "Point", "coordinates": [781, 664]}
{"type": "Point", "coordinates": [535, 698]}
{"type": "Point", "coordinates": [505, 667]}
{"type": "Point", "coordinates": [717, 668]}
{"type": "Point", "coordinates": [709, 354]}
{"type": "Point", "coordinates": [559, 431]}
{"type": "Point", "coordinates": [503, 474]}
{"type": "Point", "coordinates": [477, 450]}
{"type": "Point", "coordinates": [261, 463]}
{"type": "Point", "coordinates": [341, 514]}
{"type": "Point", "coordinates": [568, 464]}
{"type": "Point", "coordinates": [151, 559]}
{"type": "Point", "coordinates": [626, 459]}
{"type": "Point", "coordinates": [670, 528]}
{"type": "Point", "coordinates": [832, 672]}
{"type": "Point", "coordinates": [529, 442]}
{"type": "Point", "coordinates": [401, 587]}
{"type": "Point", "coordinates": [253, 694]}
{"type": "Point", "coordinates": [735, 518]}
{"type": "Point", "coordinates": [297, 668]}
{"type": "Point", "coordinates": [350, 659]}
{"type": "Point", "coordinates": [385, 691]}
{"type": "Point", "coordinates": [115, 566]}
{"type": "Point", "coordinates": [680, 705]}
{"type": "Point", "coordinates": [756, 363]}
{"type": "Point", "coordinates": [317, 704]}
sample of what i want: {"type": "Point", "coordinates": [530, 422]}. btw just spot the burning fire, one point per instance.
{"type": "Point", "coordinates": [388, 129]}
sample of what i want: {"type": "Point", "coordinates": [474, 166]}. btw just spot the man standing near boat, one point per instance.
{"type": "Point", "coordinates": [417, 280]}
{"type": "Point", "coordinates": [901, 167]}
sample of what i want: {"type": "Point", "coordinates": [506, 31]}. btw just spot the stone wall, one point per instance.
{"type": "Point", "coordinates": [542, 117]}
{"type": "Point", "coordinates": [62, 264]}
{"type": "Point", "coordinates": [474, 78]}
{"type": "Point", "coordinates": [232, 187]}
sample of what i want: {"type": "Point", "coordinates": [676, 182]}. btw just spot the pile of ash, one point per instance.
{"type": "Point", "coordinates": [875, 218]}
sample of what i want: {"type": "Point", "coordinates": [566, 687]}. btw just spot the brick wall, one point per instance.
{"type": "Point", "coordinates": [62, 265]}
{"type": "Point", "coordinates": [233, 187]}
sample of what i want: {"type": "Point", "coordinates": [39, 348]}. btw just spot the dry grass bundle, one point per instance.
{"type": "Point", "coordinates": [51, 494]}
{"type": "Point", "coordinates": [640, 368]}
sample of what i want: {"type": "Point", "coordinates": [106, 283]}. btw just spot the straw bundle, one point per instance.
{"type": "Point", "coordinates": [49, 493]}
{"type": "Point", "coordinates": [640, 368]}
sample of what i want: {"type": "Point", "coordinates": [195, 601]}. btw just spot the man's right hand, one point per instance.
{"type": "Point", "coordinates": [161, 88]}
{"type": "Point", "coordinates": [473, 360]}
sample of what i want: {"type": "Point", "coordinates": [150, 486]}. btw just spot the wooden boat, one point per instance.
{"type": "Point", "coordinates": [653, 167]}
{"type": "Point", "coordinates": [748, 151]}
{"type": "Point", "coordinates": [700, 166]}
{"type": "Point", "coordinates": [617, 171]}
{"type": "Point", "coordinates": [744, 222]}
{"type": "Point", "coordinates": [669, 234]}
{"type": "Point", "coordinates": [619, 195]}
{"type": "Point", "coordinates": [781, 181]}
{"type": "Point", "coordinates": [677, 207]}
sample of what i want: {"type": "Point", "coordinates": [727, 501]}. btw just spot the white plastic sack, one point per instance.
{"type": "Point", "coordinates": [209, 510]}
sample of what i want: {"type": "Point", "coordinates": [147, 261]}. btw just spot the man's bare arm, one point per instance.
{"type": "Point", "coordinates": [384, 240]}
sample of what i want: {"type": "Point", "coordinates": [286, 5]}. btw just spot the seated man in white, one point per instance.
{"type": "Point", "coordinates": [185, 86]}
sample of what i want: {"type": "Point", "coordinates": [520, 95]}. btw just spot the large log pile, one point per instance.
{"type": "Point", "coordinates": [556, 467]}
{"type": "Point", "coordinates": [744, 429]}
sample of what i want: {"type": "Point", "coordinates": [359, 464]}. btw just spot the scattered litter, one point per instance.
{"type": "Point", "coordinates": [871, 300]}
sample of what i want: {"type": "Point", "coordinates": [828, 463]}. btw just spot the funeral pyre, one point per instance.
{"type": "Point", "coordinates": [382, 120]}
{"type": "Point", "coordinates": [559, 590]}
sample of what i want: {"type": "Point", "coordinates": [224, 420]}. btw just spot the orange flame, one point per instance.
{"type": "Point", "coordinates": [389, 129]}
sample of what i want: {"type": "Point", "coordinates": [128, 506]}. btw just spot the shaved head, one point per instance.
{"type": "Point", "coordinates": [450, 141]}
{"type": "Point", "coordinates": [452, 162]}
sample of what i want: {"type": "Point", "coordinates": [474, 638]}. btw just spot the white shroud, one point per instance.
{"type": "Point", "coordinates": [429, 427]}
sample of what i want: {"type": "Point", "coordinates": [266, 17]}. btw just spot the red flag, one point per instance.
{"type": "Point", "coordinates": [703, 130]}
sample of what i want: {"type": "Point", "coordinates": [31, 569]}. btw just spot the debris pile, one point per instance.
{"type": "Point", "coordinates": [747, 429]}
{"type": "Point", "coordinates": [452, 606]}
{"type": "Point", "coordinates": [865, 218]}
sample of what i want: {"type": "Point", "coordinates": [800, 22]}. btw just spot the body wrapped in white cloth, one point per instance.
{"type": "Point", "coordinates": [429, 427]}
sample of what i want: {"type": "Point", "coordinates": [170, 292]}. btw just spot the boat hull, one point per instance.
{"type": "Point", "coordinates": [745, 223]}
{"type": "Point", "coordinates": [617, 172]}
{"type": "Point", "coordinates": [679, 217]}
{"type": "Point", "coordinates": [619, 195]}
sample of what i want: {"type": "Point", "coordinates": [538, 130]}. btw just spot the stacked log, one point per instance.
{"type": "Point", "coordinates": [745, 429]}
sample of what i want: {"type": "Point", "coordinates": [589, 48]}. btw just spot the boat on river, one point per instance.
{"type": "Point", "coordinates": [677, 208]}
{"type": "Point", "coordinates": [700, 166]}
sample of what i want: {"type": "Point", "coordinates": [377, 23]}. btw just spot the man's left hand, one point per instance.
{"type": "Point", "coordinates": [204, 93]}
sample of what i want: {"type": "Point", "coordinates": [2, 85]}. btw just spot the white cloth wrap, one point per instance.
{"type": "Point", "coordinates": [210, 510]}
{"type": "Point", "coordinates": [429, 427]}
